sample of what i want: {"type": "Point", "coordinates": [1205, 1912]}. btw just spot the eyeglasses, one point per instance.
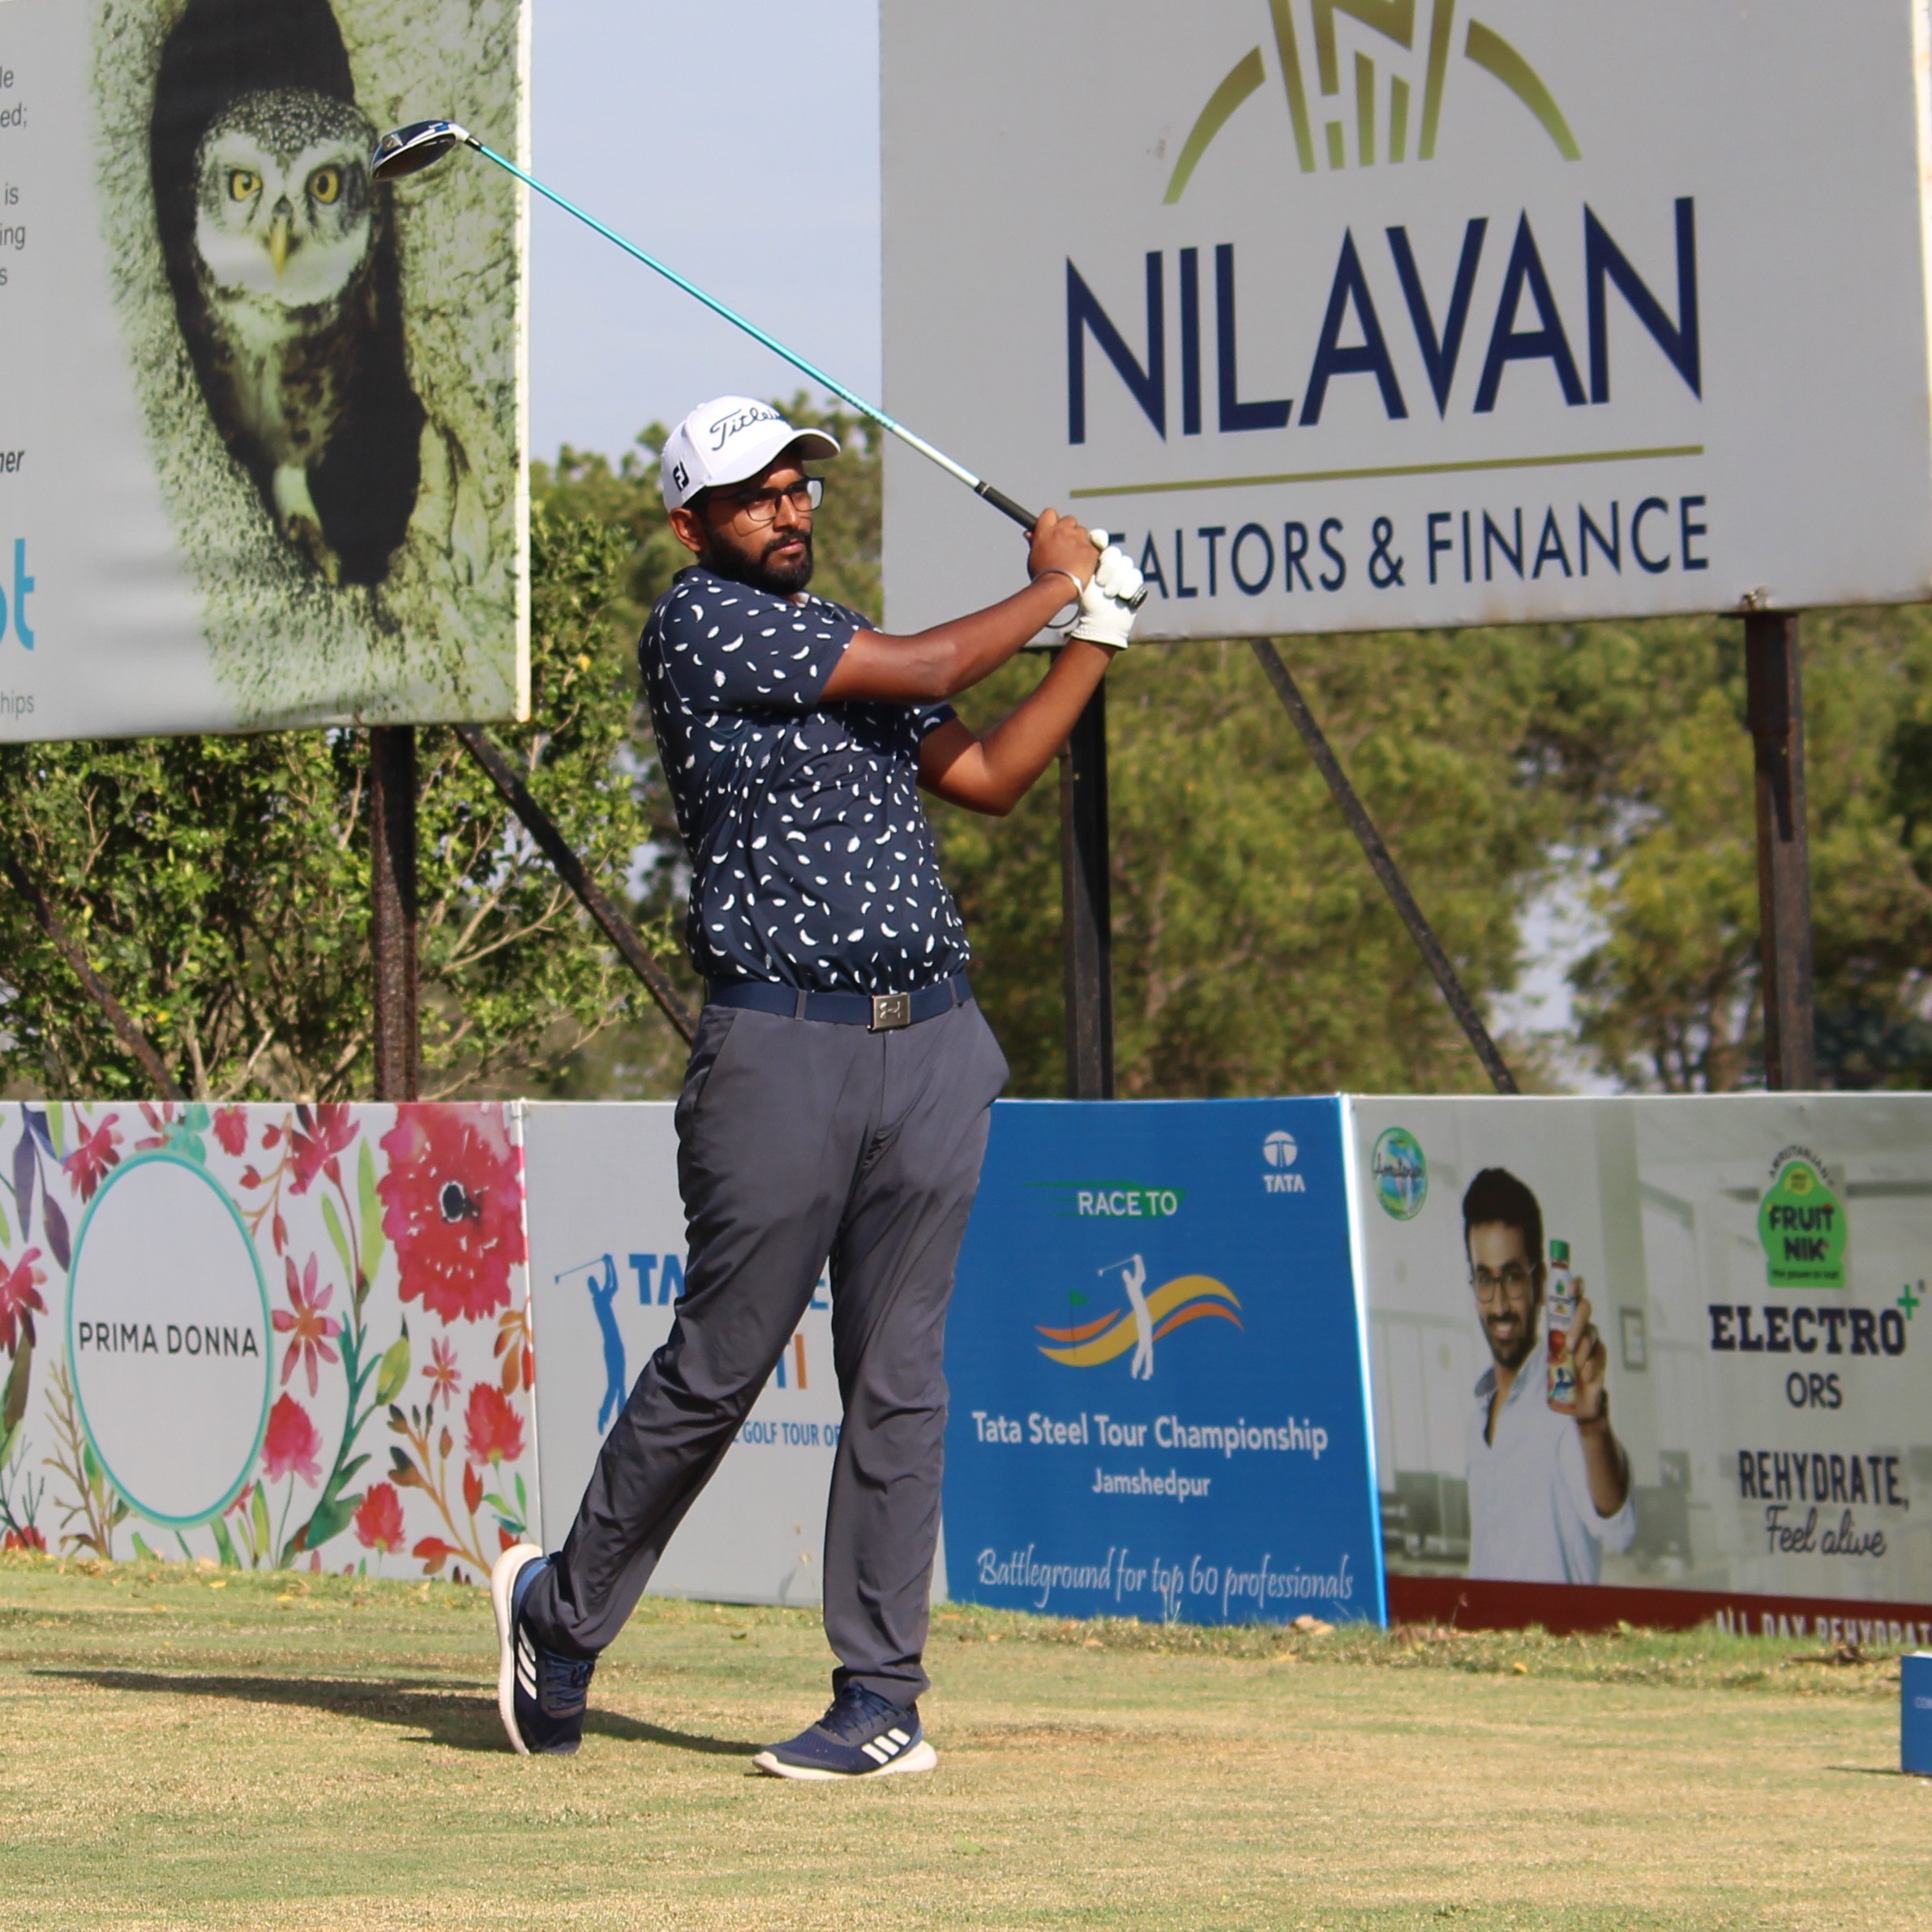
{"type": "Point", "coordinates": [1513, 1283]}
{"type": "Point", "coordinates": [758, 507]}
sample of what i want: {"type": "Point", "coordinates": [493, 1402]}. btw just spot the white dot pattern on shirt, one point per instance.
{"type": "Point", "coordinates": [812, 863]}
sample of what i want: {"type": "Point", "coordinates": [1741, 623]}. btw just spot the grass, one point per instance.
{"type": "Point", "coordinates": [188, 1748]}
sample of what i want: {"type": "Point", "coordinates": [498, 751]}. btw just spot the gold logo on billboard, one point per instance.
{"type": "Point", "coordinates": [1376, 138]}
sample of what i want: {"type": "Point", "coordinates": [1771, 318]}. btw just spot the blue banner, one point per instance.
{"type": "Point", "coordinates": [1159, 1403]}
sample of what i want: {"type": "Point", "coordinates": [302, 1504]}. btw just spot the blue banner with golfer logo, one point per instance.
{"type": "Point", "coordinates": [1158, 1399]}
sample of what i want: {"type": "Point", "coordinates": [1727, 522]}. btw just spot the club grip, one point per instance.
{"type": "Point", "coordinates": [1001, 501]}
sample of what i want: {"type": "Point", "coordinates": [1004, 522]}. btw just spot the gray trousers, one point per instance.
{"type": "Point", "coordinates": [798, 1140]}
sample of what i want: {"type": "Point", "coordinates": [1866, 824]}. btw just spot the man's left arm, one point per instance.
{"type": "Point", "coordinates": [1605, 1466]}
{"type": "Point", "coordinates": [991, 774]}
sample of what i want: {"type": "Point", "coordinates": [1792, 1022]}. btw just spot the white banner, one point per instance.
{"type": "Point", "coordinates": [1754, 1267]}
{"type": "Point", "coordinates": [261, 454]}
{"type": "Point", "coordinates": [607, 1267]}
{"type": "Point", "coordinates": [1374, 313]}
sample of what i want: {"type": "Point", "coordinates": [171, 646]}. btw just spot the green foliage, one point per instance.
{"type": "Point", "coordinates": [1648, 727]}
{"type": "Point", "coordinates": [1254, 950]}
{"type": "Point", "coordinates": [219, 886]}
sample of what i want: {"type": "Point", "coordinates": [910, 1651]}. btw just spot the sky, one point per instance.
{"type": "Point", "coordinates": [740, 145]}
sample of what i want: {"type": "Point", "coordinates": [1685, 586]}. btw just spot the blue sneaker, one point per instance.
{"type": "Point", "coordinates": [540, 1695]}
{"type": "Point", "coordinates": [862, 1736]}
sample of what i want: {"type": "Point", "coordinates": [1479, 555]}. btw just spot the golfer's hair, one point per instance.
{"type": "Point", "coordinates": [1497, 1196]}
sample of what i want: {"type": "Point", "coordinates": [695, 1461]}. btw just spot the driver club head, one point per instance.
{"type": "Point", "coordinates": [409, 150]}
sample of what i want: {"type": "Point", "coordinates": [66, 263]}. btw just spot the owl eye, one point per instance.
{"type": "Point", "coordinates": [325, 184]}
{"type": "Point", "coordinates": [242, 185]}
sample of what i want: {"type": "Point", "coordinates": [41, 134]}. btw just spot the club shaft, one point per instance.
{"type": "Point", "coordinates": [998, 499]}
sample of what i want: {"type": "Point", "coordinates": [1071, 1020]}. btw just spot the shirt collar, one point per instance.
{"type": "Point", "coordinates": [1535, 1368]}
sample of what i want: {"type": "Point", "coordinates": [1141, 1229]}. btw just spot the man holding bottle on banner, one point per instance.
{"type": "Point", "coordinates": [840, 1085]}
{"type": "Point", "coordinates": [1550, 1484]}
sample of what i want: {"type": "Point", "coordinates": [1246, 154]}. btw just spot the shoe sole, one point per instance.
{"type": "Point", "coordinates": [922, 1757]}
{"type": "Point", "coordinates": [503, 1574]}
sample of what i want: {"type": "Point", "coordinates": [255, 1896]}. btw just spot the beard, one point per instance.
{"type": "Point", "coordinates": [1513, 1346]}
{"type": "Point", "coordinates": [761, 569]}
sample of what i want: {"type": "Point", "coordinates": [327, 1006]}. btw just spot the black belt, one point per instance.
{"type": "Point", "coordinates": [880, 1013]}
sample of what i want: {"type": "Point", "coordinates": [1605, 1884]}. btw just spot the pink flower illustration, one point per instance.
{"type": "Point", "coordinates": [313, 1145]}
{"type": "Point", "coordinates": [293, 1443]}
{"type": "Point", "coordinates": [231, 1130]}
{"type": "Point", "coordinates": [452, 1201]}
{"type": "Point", "coordinates": [20, 1300]}
{"type": "Point", "coordinates": [442, 1375]}
{"type": "Point", "coordinates": [303, 1318]}
{"type": "Point", "coordinates": [378, 1519]}
{"type": "Point", "coordinates": [87, 1167]}
{"type": "Point", "coordinates": [493, 1427]}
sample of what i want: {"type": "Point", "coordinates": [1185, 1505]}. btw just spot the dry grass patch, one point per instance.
{"type": "Point", "coordinates": [316, 1753]}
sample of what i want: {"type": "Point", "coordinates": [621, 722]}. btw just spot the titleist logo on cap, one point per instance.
{"type": "Point", "coordinates": [728, 427]}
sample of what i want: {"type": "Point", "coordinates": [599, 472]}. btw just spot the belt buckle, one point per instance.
{"type": "Point", "coordinates": [890, 1011]}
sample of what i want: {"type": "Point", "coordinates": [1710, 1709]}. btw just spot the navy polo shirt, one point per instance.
{"type": "Point", "coordinates": [812, 861]}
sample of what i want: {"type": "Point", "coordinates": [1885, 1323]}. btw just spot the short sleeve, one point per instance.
{"type": "Point", "coordinates": [927, 718]}
{"type": "Point", "coordinates": [728, 648]}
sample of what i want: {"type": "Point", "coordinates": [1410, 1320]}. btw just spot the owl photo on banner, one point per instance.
{"type": "Point", "coordinates": [281, 255]}
{"type": "Point", "coordinates": [330, 368]}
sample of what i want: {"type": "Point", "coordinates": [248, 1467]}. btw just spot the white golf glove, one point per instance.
{"type": "Point", "coordinates": [1107, 606]}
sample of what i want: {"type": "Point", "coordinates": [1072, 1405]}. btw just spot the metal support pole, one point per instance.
{"type": "Point", "coordinates": [1384, 866]}
{"type": "Point", "coordinates": [392, 909]}
{"type": "Point", "coordinates": [619, 930]}
{"type": "Point", "coordinates": [1775, 708]}
{"type": "Point", "coordinates": [1087, 906]}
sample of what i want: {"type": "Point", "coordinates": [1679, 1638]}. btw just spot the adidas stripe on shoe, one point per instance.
{"type": "Point", "coordinates": [861, 1736]}
{"type": "Point", "coordinates": [540, 1694]}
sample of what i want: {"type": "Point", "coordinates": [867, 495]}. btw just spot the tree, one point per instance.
{"type": "Point", "coordinates": [1646, 724]}
{"type": "Point", "coordinates": [219, 886]}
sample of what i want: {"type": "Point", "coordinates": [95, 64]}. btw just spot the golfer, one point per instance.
{"type": "Point", "coordinates": [839, 1087]}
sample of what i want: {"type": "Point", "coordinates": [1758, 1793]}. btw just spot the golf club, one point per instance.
{"type": "Point", "coordinates": [408, 150]}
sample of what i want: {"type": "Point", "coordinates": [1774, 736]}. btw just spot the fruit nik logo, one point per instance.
{"type": "Point", "coordinates": [1395, 20]}
{"type": "Point", "coordinates": [1801, 1224]}
{"type": "Point", "coordinates": [1146, 1320]}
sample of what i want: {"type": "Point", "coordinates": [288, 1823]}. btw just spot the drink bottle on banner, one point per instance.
{"type": "Point", "coordinates": [1559, 1311]}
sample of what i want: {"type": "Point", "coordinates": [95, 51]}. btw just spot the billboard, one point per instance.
{"type": "Point", "coordinates": [1754, 1267]}
{"type": "Point", "coordinates": [1376, 314]}
{"type": "Point", "coordinates": [262, 455]}
{"type": "Point", "coordinates": [607, 1260]}
{"type": "Point", "coordinates": [1158, 1403]}
{"type": "Point", "coordinates": [265, 1336]}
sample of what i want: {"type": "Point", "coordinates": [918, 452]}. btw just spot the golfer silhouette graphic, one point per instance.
{"type": "Point", "coordinates": [603, 1299]}
{"type": "Point", "coordinates": [1133, 1278]}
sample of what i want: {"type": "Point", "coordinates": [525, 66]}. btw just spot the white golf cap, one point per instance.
{"type": "Point", "coordinates": [726, 440]}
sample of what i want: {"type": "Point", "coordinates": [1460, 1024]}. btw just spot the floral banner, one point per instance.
{"type": "Point", "coordinates": [266, 1336]}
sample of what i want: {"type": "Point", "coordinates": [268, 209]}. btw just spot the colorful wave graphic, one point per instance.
{"type": "Point", "coordinates": [1186, 1298]}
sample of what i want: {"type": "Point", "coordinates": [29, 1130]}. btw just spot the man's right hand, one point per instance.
{"type": "Point", "coordinates": [1060, 543]}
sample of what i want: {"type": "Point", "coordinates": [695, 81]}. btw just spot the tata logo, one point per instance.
{"type": "Point", "coordinates": [1395, 29]}
{"type": "Point", "coordinates": [1279, 1151]}
{"type": "Point", "coordinates": [1145, 1320]}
